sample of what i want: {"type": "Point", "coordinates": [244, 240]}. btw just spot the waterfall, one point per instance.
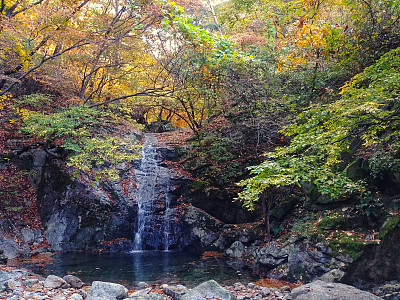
{"type": "Point", "coordinates": [153, 187]}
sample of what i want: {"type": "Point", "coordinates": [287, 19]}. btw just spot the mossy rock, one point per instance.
{"type": "Point", "coordinates": [347, 246]}
{"type": "Point", "coordinates": [391, 224]}
{"type": "Point", "coordinates": [330, 222]}
{"type": "Point", "coordinates": [198, 185]}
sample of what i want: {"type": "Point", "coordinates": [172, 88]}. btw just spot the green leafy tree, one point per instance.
{"type": "Point", "coordinates": [368, 112]}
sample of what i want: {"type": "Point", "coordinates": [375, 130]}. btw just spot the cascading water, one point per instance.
{"type": "Point", "coordinates": [153, 186]}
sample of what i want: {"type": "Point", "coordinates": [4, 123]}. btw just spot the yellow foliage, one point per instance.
{"type": "Point", "coordinates": [24, 113]}
{"type": "Point", "coordinates": [307, 40]}
{"type": "Point", "coordinates": [4, 99]}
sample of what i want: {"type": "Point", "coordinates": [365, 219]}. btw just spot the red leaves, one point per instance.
{"type": "Point", "coordinates": [268, 282]}
{"type": "Point", "coordinates": [18, 201]}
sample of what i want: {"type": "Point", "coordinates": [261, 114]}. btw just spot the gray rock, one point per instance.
{"type": "Point", "coordinates": [208, 290]}
{"type": "Point", "coordinates": [32, 235]}
{"type": "Point", "coordinates": [272, 255]}
{"type": "Point", "coordinates": [107, 290]}
{"type": "Point", "coordinates": [266, 291]}
{"type": "Point", "coordinates": [12, 276]}
{"type": "Point", "coordinates": [83, 293]}
{"type": "Point", "coordinates": [203, 228]}
{"type": "Point", "coordinates": [55, 282]}
{"type": "Point", "coordinates": [141, 292]}
{"type": "Point", "coordinates": [251, 285]}
{"type": "Point", "coordinates": [332, 276]}
{"type": "Point", "coordinates": [142, 285]}
{"type": "Point", "coordinates": [176, 292]}
{"type": "Point", "coordinates": [321, 290]}
{"type": "Point", "coordinates": [59, 297]}
{"type": "Point", "coordinates": [238, 286]}
{"type": "Point", "coordinates": [75, 296]}
{"type": "Point", "coordinates": [150, 296]}
{"type": "Point", "coordinates": [285, 289]}
{"type": "Point", "coordinates": [74, 281]}
{"type": "Point", "coordinates": [11, 247]}
{"type": "Point", "coordinates": [30, 282]}
{"type": "Point", "coordinates": [235, 250]}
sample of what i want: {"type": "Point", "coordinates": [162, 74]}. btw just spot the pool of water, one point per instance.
{"type": "Point", "coordinates": [153, 267]}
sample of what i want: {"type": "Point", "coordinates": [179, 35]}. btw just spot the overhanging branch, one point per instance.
{"type": "Point", "coordinates": [148, 92]}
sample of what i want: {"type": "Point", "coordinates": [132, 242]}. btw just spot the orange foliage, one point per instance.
{"type": "Point", "coordinates": [275, 283]}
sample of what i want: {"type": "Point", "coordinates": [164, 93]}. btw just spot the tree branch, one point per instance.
{"type": "Point", "coordinates": [44, 59]}
{"type": "Point", "coordinates": [148, 92]}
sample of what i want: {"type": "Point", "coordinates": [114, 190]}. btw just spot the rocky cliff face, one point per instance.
{"type": "Point", "coordinates": [78, 214]}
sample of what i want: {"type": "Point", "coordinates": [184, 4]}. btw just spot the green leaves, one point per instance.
{"type": "Point", "coordinates": [101, 155]}
{"type": "Point", "coordinates": [78, 127]}
{"type": "Point", "coordinates": [368, 111]}
{"type": "Point", "coordinates": [72, 122]}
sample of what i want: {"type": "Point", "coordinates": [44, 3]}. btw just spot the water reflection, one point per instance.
{"type": "Point", "coordinates": [153, 267]}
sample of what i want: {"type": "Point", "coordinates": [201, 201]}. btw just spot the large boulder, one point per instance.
{"type": "Point", "coordinates": [55, 282]}
{"type": "Point", "coordinates": [207, 291]}
{"type": "Point", "coordinates": [74, 281]}
{"type": "Point", "coordinates": [321, 290]}
{"type": "Point", "coordinates": [107, 290]}
{"type": "Point", "coordinates": [296, 260]}
{"type": "Point", "coordinates": [201, 229]}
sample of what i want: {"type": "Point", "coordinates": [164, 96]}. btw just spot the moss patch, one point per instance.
{"type": "Point", "coordinates": [392, 222]}
{"type": "Point", "coordinates": [330, 222]}
{"type": "Point", "coordinates": [350, 245]}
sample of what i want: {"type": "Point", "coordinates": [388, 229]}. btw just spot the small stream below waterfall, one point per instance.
{"type": "Point", "coordinates": [153, 267]}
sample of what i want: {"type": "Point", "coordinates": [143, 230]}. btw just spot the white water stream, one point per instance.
{"type": "Point", "coordinates": [153, 185]}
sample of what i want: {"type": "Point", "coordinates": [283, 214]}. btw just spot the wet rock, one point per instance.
{"type": "Point", "coordinates": [176, 292]}
{"type": "Point", "coordinates": [74, 281]}
{"type": "Point", "coordinates": [208, 290]}
{"type": "Point", "coordinates": [55, 282]}
{"type": "Point", "coordinates": [106, 290]}
{"type": "Point", "coordinates": [235, 250]}
{"type": "Point", "coordinates": [320, 290]}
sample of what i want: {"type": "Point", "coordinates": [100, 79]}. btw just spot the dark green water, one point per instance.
{"type": "Point", "coordinates": [153, 267]}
